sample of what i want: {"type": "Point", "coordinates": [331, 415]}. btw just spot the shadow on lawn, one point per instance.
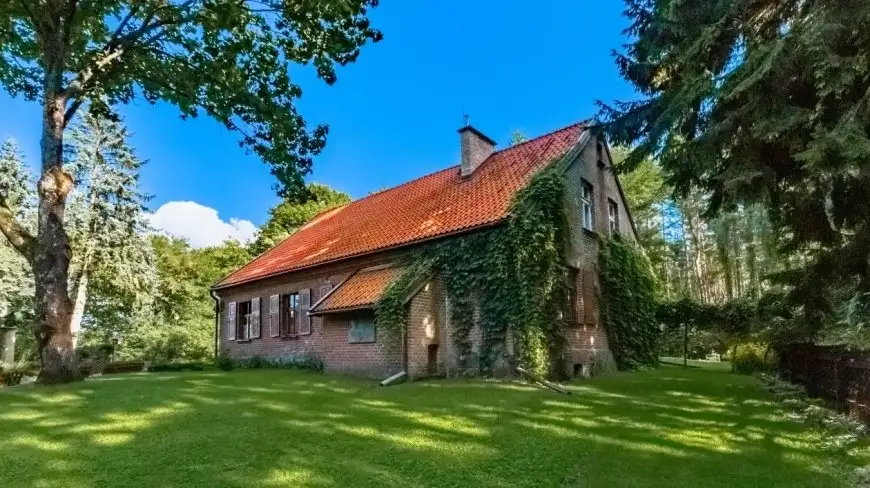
{"type": "Point", "coordinates": [282, 428]}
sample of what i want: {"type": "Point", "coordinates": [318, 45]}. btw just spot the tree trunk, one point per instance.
{"type": "Point", "coordinates": [81, 298]}
{"type": "Point", "coordinates": [52, 253]}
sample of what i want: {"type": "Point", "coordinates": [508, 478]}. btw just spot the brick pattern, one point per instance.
{"type": "Point", "coordinates": [378, 359]}
{"type": "Point", "coordinates": [474, 150]}
{"type": "Point", "coordinates": [424, 330]}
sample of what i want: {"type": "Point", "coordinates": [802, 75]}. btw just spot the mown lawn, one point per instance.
{"type": "Point", "coordinates": [669, 427]}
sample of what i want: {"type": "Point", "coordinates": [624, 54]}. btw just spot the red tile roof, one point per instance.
{"type": "Point", "coordinates": [435, 205]}
{"type": "Point", "coordinates": [361, 290]}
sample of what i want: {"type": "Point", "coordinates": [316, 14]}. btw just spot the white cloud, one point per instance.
{"type": "Point", "coordinates": [200, 225]}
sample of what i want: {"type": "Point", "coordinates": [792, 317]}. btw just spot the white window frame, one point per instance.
{"type": "Point", "coordinates": [587, 206]}
{"type": "Point", "coordinates": [613, 216]}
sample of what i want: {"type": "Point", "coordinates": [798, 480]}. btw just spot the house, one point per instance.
{"type": "Point", "coordinates": [314, 293]}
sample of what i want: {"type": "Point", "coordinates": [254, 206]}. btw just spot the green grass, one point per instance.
{"type": "Point", "coordinates": [270, 428]}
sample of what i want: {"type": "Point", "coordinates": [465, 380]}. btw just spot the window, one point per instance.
{"type": "Point", "coordinates": [289, 315]}
{"type": "Point", "coordinates": [599, 153]}
{"type": "Point", "coordinates": [243, 322]}
{"type": "Point", "coordinates": [304, 302]}
{"type": "Point", "coordinates": [569, 312]}
{"type": "Point", "coordinates": [294, 317]}
{"type": "Point", "coordinates": [361, 330]}
{"type": "Point", "coordinates": [587, 208]}
{"type": "Point", "coordinates": [613, 216]}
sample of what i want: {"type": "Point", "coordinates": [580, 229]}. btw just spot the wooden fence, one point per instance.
{"type": "Point", "coordinates": [836, 374]}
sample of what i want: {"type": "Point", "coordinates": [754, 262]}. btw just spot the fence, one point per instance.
{"type": "Point", "coordinates": [834, 373]}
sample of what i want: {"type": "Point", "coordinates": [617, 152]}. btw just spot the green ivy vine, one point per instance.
{"type": "Point", "coordinates": [510, 277]}
{"type": "Point", "coordinates": [629, 304]}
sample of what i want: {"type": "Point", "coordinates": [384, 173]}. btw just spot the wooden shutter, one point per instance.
{"type": "Point", "coordinates": [275, 315]}
{"type": "Point", "coordinates": [589, 298]}
{"type": "Point", "coordinates": [304, 307]}
{"type": "Point", "coordinates": [231, 321]}
{"type": "Point", "coordinates": [255, 318]}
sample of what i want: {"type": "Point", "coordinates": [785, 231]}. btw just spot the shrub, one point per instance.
{"type": "Point", "coordinates": [175, 367]}
{"type": "Point", "coordinates": [12, 374]}
{"type": "Point", "coordinates": [224, 362]}
{"type": "Point", "coordinates": [124, 367]}
{"type": "Point", "coordinates": [749, 359]}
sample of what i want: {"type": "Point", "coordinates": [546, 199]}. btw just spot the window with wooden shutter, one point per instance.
{"type": "Point", "coordinates": [275, 315]}
{"type": "Point", "coordinates": [304, 306]}
{"type": "Point", "coordinates": [289, 314]}
{"type": "Point", "coordinates": [231, 321]}
{"type": "Point", "coordinates": [255, 318]}
{"type": "Point", "coordinates": [589, 298]}
{"type": "Point", "coordinates": [570, 313]}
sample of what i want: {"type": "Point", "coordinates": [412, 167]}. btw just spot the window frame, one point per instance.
{"type": "Point", "coordinates": [360, 318]}
{"type": "Point", "coordinates": [612, 216]}
{"type": "Point", "coordinates": [587, 205]}
{"type": "Point", "coordinates": [570, 311]}
{"type": "Point", "coordinates": [243, 330]}
{"type": "Point", "coordinates": [288, 316]}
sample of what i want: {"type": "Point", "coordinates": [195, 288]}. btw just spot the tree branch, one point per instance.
{"type": "Point", "coordinates": [22, 240]}
{"type": "Point", "coordinates": [115, 48]}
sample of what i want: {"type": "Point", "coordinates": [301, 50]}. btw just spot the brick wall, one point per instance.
{"type": "Point", "coordinates": [378, 359]}
{"type": "Point", "coordinates": [588, 341]}
{"type": "Point", "coordinates": [424, 329]}
{"type": "Point", "coordinates": [328, 340]}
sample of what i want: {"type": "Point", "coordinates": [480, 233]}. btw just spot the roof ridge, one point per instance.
{"type": "Point", "coordinates": [386, 190]}
{"type": "Point", "coordinates": [548, 134]}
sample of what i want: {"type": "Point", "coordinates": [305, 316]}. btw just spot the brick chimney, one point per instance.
{"type": "Point", "coordinates": [476, 147]}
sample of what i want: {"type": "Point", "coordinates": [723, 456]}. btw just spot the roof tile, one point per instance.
{"type": "Point", "coordinates": [361, 290]}
{"type": "Point", "coordinates": [435, 205]}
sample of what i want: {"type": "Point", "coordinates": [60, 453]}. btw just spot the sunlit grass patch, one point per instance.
{"type": "Point", "coordinates": [663, 428]}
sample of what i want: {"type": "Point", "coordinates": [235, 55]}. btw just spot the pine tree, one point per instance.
{"type": "Point", "coordinates": [761, 102]}
{"type": "Point", "coordinates": [107, 224]}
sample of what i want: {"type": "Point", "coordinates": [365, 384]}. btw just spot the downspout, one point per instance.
{"type": "Point", "coordinates": [217, 321]}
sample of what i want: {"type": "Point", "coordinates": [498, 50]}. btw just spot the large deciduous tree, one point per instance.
{"type": "Point", "coordinates": [227, 58]}
{"type": "Point", "coordinates": [763, 102]}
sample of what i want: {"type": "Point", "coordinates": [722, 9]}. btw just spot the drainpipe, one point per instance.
{"type": "Point", "coordinates": [217, 322]}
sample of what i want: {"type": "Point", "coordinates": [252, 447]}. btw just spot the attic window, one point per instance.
{"type": "Point", "coordinates": [587, 208]}
{"type": "Point", "coordinates": [613, 216]}
{"type": "Point", "coordinates": [599, 151]}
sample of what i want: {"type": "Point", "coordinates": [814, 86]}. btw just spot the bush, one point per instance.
{"type": "Point", "coordinates": [12, 374]}
{"type": "Point", "coordinates": [224, 362]}
{"type": "Point", "coordinates": [175, 367]}
{"type": "Point", "coordinates": [124, 367]}
{"type": "Point", "coordinates": [749, 359]}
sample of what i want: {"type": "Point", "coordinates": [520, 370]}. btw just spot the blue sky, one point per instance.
{"type": "Point", "coordinates": [393, 115]}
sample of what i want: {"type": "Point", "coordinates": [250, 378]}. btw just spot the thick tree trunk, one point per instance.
{"type": "Point", "coordinates": [52, 253]}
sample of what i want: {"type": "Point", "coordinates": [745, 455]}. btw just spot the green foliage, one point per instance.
{"type": "Point", "coordinates": [511, 277]}
{"type": "Point", "coordinates": [300, 362]}
{"type": "Point", "coordinates": [176, 367]}
{"type": "Point", "coordinates": [762, 104]}
{"type": "Point", "coordinates": [628, 294]}
{"type": "Point", "coordinates": [288, 216]}
{"type": "Point", "coordinates": [230, 60]}
{"type": "Point", "coordinates": [225, 362]}
{"type": "Point", "coordinates": [751, 357]}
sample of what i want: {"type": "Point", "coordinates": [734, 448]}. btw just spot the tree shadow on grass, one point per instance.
{"type": "Point", "coordinates": [285, 428]}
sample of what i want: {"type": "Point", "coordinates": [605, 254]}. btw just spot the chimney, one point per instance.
{"type": "Point", "coordinates": [476, 147]}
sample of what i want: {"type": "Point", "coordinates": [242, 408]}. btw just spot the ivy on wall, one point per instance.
{"type": "Point", "coordinates": [511, 278]}
{"type": "Point", "coordinates": [628, 303]}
